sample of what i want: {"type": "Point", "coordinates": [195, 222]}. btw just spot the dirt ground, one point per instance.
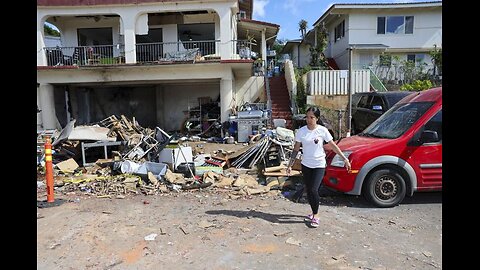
{"type": "Point", "coordinates": [210, 229]}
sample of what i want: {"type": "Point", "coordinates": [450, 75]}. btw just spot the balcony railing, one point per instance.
{"type": "Point", "coordinates": [85, 55]}
{"type": "Point", "coordinates": [146, 53]}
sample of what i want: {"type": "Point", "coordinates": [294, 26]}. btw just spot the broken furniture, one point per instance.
{"type": "Point", "coordinates": [104, 144]}
{"type": "Point", "coordinates": [174, 156]}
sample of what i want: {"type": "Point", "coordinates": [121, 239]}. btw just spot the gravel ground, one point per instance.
{"type": "Point", "coordinates": [211, 229]}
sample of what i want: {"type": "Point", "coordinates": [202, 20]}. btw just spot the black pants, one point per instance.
{"type": "Point", "coordinates": [312, 178]}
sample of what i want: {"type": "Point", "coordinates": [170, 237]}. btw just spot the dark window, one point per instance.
{"type": "Point", "coordinates": [435, 124]}
{"type": "Point", "coordinates": [377, 103]}
{"type": "Point", "coordinates": [381, 25]}
{"type": "Point", "coordinates": [340, 30]}
{"type": "Point", "coordinates": [364, 102]}
{"type": "Point", "coordinates": [395, 25]}
{"type": "Point", "coordinates": [411, 58]}
{"type": "Point", "coordinates": [409, 25]}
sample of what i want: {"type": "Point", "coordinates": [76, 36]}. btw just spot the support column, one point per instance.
{"type": "Point", "coordinates": [226, 45]}
{"type": "Point", "coordinates": [128, 29]}
{"type": "Point", "coordinates": [47, 105]}
{"type": "Point", "coordinates": [264, 48]}
{"type": "Point", "coordinates": [41, 57]}
{"type": "Point", "coordinates": [226, 98]}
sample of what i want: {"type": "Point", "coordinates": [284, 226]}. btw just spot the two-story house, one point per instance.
{"type": "Point", "coordinates": [379, 34]}
{"type": "Point", "coordinates": [152, 60]}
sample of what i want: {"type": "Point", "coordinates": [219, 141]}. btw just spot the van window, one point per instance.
{"type": "Point", "coordinates": [397, 120]}
{"type": "Point", "coordinates": [435, 124]}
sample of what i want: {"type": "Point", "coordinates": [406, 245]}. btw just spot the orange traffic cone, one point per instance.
{"type": "Point", "coordinates": [49, 169]}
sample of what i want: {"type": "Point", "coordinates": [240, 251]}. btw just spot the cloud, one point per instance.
{"type": "Point", "coordinates": [259, 8]}
{"type": "Point", "coordinates": [292, 5]}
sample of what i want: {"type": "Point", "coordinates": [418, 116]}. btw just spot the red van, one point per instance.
{"type": "Point", "coordinates": [398, 154]}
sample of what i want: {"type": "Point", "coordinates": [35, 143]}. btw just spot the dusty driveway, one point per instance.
{"type": "Point", "coordinates": [211, 230]}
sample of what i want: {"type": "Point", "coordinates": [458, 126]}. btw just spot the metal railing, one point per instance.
{"type": "Point", "coordinates": [375, 82]}
{"type": "Point", "coordinates": [85, 55]}
{"type": "Point", "coordinates": [146, 53]}
{"type": "Point", "coordinates": [176, 51]}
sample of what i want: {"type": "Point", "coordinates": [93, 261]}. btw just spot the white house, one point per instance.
{"type": "Point", "coordinates": [147, 59]}
{"type": "Point", "coordinates": [397, 31]}
{"type": "Point", "coordinates": [402, 31]}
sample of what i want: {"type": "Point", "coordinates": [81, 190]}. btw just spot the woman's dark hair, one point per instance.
{"type": "Point", "coordinates": [315, 111]}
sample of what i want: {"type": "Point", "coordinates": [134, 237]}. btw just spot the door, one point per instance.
{"type": "Point", "coordinates": [427, 158]}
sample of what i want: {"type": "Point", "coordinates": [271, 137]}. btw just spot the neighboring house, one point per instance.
{"type": "Point", "coordinates": [298, 51]}
{"type": "Point", "coordinates": [382, 35]}
{"type": "Point", "coordinates": [147, 59]}
{"type": "Point", "coordinates": [51, 41]}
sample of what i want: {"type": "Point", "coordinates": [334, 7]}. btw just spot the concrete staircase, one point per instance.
{"type": "Point", "coordinates": [280, 100]}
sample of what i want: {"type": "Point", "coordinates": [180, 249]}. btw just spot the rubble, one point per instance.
{"type": "Point", "coordinates": [128, 161]}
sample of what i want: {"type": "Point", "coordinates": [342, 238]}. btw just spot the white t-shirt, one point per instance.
{"type": "Point", "coordinates": [313, 153]}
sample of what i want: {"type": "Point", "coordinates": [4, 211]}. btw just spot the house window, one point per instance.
{"type": "Point", "coordinates": [340, 31]}
{"type": "Point", "coordinates": [395, 25]}
{"type": "Point", "coordinates": [242, 14]}
{"type": "Point", "coordinates": [416, 58]}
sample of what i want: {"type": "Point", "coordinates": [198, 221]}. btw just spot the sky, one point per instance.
{"type": "Point", "coordinates": [287, 13]}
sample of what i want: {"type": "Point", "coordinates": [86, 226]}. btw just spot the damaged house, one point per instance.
{"type": "Point", "coordinates": [160, 62]}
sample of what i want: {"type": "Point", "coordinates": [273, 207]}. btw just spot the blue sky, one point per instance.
{"type": "Point", "coordinates": [287, 13]}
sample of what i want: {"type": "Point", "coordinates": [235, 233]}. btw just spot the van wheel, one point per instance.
{"type": "Point", "coordinates": [385, 188]}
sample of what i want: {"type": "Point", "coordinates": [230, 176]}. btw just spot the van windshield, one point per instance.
{"type": "Point", "coordinates": [397, 120]}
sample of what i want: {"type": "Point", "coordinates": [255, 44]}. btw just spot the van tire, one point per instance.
{"type": "Point", "coordinates": [385, 188]}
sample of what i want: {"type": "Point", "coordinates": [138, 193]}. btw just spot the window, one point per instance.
{"type": "Point", "coordinates": [242, 14]}
{"type": "Point", "coordinates": [435, 124]}
{"type": "Point", "coordinates": [395, 25]}
{"type": "Point", "coordinates": [340, 31]}
{"type": "Point", "coordinates": [364, 101]}
{"type": "Point", "coordinates": [416, 58]}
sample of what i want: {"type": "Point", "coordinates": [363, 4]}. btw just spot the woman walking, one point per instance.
{"type": "Point", "coordinates": [311, 138]}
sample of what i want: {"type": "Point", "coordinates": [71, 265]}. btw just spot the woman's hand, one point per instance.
{"type": "Point", "coordinates": [347, 164]}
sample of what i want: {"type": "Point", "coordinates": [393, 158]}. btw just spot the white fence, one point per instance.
{"type": "Point", "coordinates": [335, 82]}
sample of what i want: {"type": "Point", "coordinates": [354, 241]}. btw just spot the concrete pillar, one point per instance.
{"type": "Point", "coordinates": [226, 45]}
{"type": "Point", "coordinates": [128, 30]}
{"type": "Point", "coordinates": [41, 57]}
{"type": "Point", "coordinates": [47, 105]}
{"type": "Point", "coordinates": [264, 48]}
{"type": "Point", "coordinates": [226, 98]}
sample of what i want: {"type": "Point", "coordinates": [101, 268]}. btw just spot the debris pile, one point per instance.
{"type": "Point", "coordinates": [131, 159]}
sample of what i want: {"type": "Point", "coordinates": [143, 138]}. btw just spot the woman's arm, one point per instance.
{"type": "Point", "coordinates": [339, 152]}
{"type": "Point", "coordinates": [296, 148]}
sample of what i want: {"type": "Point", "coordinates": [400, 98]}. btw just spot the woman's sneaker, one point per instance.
{"type": "Point", "coordinates": [314, 222]}
{"type": "Point", "coordinates": [308, 218]}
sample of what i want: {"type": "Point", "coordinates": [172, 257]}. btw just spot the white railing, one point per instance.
{"type": "Point", "coordinates": [335, 82]}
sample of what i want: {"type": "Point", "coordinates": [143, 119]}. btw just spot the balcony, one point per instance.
{"type": "Point", "coordinates": [147, 53]}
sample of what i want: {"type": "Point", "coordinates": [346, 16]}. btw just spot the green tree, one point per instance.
{"type": "Point", "coordinates": [302, 27]}
{"type": "Point", "coordinates": [49, 31]}
{"type": "Point", "coordinates": [317, 59]}
{"type": "Point", "coordinates": [436, 55]}
{"type": "Point", "coordinates": [278, 46]}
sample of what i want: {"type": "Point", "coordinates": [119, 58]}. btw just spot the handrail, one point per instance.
{"type": "Point", "coordinates": [375, 82]}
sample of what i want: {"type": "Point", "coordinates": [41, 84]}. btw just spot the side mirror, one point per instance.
{"type": "Point", "coordinates": [428, 136]}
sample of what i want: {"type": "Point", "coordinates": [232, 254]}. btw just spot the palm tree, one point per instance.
{"type": "Point", "coordinates": [302, 27]}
